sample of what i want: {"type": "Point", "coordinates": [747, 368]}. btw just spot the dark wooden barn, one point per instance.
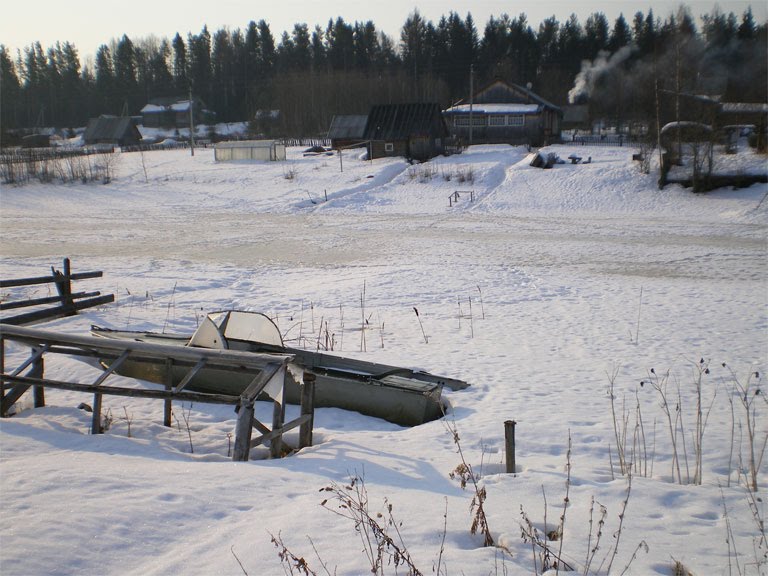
{"type": "Point", "coordinates": [347, 130]}
{"type": "Point", "coordinates": [416, 131]}
{"type": "Point", "coordinates": [114, 130]}
{"type": "Point", "coordinates": [507, 113]}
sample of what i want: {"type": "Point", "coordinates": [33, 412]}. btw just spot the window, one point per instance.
{"type": "Point", "coordinates": [516, 120]}
{"type": "Point", "coordinates": [496, 120]}
{"type": "Point", "coordinates": [389, 147]}
{"type": "Point", "coordinates": [478, 120]}
{"type": "Point", "coordinates": [461, 121]}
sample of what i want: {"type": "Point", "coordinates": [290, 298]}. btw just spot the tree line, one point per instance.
{"type": "Point", "coordinates": [311, 74]}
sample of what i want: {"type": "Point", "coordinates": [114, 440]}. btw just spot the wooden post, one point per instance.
{"type": "Point", "coordinates": [168, 404]}
{"type": "Point", "coordinates": [64, 286]}
{"type": "Point", "coordinates": [38, 392]}
{"type": "Point", "coordinates": [509, 440]}
{"type": "Point", "coordinates": [307, 408]}
{"type": "Point", "coordinates": [2, 369]}
{"type": "Point", "coordinates": [278, 417]}
{"type": "Point", "coordinates": [96, 418]}
{"type": "Point", "coordinates": [243, 431]}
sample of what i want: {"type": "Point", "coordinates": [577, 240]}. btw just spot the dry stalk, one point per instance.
{"type": "Point", "coordinates": [464, 471]}
{"type": "Point", "coordinates": [352, 503]}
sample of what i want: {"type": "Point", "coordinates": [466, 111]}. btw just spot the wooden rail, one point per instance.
{"type": "Point", "coordinates": [268, 371]}
{"type": "Point", "coordinates": [68, 302]}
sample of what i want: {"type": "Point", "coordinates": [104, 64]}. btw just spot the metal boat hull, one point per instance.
{"type": "Point", "coordinates": [398, 395]}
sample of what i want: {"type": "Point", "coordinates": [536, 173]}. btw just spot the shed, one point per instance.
{"type": "Point", "coordinates": [114, 130]}
{"type": "Point", "coordinates": [505, 113]}
{"type": "Point", "coordinates": [347, 130]}
{"type": "Point", "coordinates": [416, 130]}
{"type": "Point", "coordinates": [249, 150]}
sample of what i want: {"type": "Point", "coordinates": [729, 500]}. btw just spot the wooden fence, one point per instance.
{"type": "Point", "coordinates": [268, 373]}
{"type": "Point", "coordinates": [67, 303]}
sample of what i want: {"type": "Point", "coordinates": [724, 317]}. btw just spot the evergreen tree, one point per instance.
{"type": "Point", "coordinates": [223, 83]}
{"type": "Point", "coordinates": [126, 80]}
{"type": "Point", "coordinates": [10, 111]}
{"type": "Point", "coordinates": [180, 82]}
{"type": "Point", "coordinates": [200, 73]}
{"type": "Point", "coordinates": [595, 35]}
{"type": "Point", "coordinates": [105, 80]}
{"type": "Point", "coordinates": [620, 35]}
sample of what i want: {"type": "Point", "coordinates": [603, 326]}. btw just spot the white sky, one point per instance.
{"type": "Point", "coordinates": [90, 23]}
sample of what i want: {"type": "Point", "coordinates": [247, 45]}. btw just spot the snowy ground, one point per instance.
{"type": "Point", "coordinates": [565, 279]}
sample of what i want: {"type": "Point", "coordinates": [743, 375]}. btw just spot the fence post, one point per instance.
{"type": "Point", "coordinates": [2, 367]}
{"type": "Point", "coordinates": [307, 408]}
{"type": "Point", "coordinates": [38, 392]}
{"type": "Point", "coordinates": [509, 441]}
{"type": "Point", "coordinates": [278, 417]}
{"type": "Point", "coordinates": [243, 432]}
{"type": "Point", "coordinates": [168, 404]}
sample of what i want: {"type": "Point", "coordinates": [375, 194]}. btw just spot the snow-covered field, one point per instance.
{"type": "Point", "coordinates": [544, 289]}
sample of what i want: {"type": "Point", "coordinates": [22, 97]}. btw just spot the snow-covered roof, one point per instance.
{"type": "Point", "coordinates": [743, 107]}
{"type": "Point", "coordinates": [246, 144]}
{"type": "Point", "coordinates": [510, 108]}
{"type": "Point", "coordinates": [153, 109]}
{"type": "Point", "coordinates": [181, 106]}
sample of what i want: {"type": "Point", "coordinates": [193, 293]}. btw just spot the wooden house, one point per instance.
{"type": "Point", "coordinates": [505, 113]}
{"type": "Point", "coordinates": [347, 130]}
{"type": "Point", "coordinates": [113, 130]}
{"type": "Point", "coordinates": [174, 113]}
{"type": "Point", "coordinates": [416, 131]}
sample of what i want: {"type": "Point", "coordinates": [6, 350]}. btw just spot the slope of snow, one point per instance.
{"type": "Point", "coordinates": [540, 292]}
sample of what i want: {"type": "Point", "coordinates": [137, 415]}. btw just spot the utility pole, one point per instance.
{"type": "Point", "coordinates": [191, 124]}
{"type": "Point", "coordinates": [471, 98]}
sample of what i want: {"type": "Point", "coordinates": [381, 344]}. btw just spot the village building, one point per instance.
{"type": "Point", "coordinates": [249, 150]}
{"type": "Point", "coordinates": [112, 130]}
{"type": "Point", "coordinates": [416, 131]}
{"type": "Point", "coordinates": [347, 130]}
{"type": "Point", "coordinates": [174, 113]}
{"type": "Point", "coordinates": [505, 113]}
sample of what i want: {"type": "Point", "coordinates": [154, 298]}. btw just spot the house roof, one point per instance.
{"type": "Point", "coordinates": [401, 121]}
{"type": "Point", "coordinates": [347, 126]}
{"type": "Point", "coordinates": [495, 109]}
{"type": "Point", "coordinates": [745, 107]}
{"type": "Point", "coordinates": [520, 95]}
{"type": "Point", "coordinates": [169, 104]}
{"type": "Point", "coordinates": [246, 144]}
{"type": "Point", "coordinates": [111, 128]}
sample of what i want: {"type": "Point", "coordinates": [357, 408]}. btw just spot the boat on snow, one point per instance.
{"type": "Point", "coordinates": [400, 395]}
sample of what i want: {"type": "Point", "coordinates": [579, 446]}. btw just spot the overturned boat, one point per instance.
{"type": "Point", "coordinates": [400, 395]}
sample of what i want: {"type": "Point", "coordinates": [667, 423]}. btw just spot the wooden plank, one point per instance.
{"type": "Point", "coordinates": [261, 380]}
{"type": "Point", "coordinates": [58, 311]}
{"type": "Point", "coordinates": [13, 394]}
{"type": "Point", "coordinates": [191, 374]}
{"type": "Point", "coordinates": [108, 348]}
{"type": "Point", "coordinates": [280, 431]}
{"type": "Point", "coordinates": [46, 300]}
{"type": "Point", "coordinates": [48, 279]}
{"type": "Point", "coordinates": [112, 367]}
{"type": "Point", "coordinates": [26, 382]}
{"type": "Point", "coordinates": [36, 354]}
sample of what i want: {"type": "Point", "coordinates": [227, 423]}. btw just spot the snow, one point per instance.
{"type": "Point", "coordinates": [496, 108]}
{"type": "Point", "coordinates": [573, 277]}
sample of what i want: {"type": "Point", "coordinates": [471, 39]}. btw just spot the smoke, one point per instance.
{"type": "Point", "coordinates": [591, 71]}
